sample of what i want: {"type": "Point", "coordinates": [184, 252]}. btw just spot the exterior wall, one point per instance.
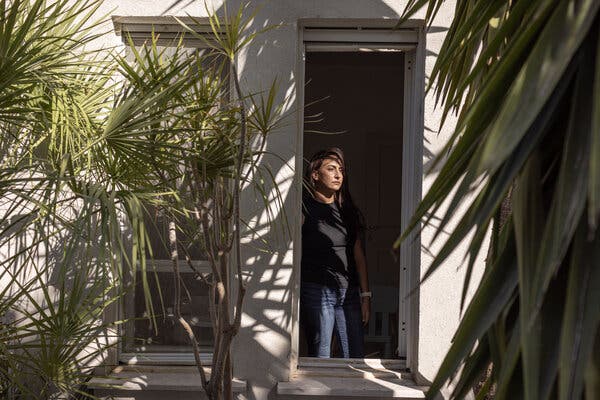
{"type": "Point", "coordinates": [263, 348]}
{"type": "Point", "coordinates": [439, 312]}
{"type": "Point", "coordinates": [439, 305]}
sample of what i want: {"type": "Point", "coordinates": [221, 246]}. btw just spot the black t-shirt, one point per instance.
{"type": "Point", "coordinates": [327, 246]}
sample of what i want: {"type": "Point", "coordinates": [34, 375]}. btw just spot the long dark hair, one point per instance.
{"type": "Point", "coordinates": [350, 212]}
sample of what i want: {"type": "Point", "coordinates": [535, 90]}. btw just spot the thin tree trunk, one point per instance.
{"type": "Point", "coordinates": [228, 377]}
{"type": "Point", "coordinates": [177, 302]}
{"type": "Point", "coordinates": [221, 239]}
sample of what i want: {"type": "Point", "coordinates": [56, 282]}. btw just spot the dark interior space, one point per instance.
{"type": "Point", "coordinates": [354, 100]}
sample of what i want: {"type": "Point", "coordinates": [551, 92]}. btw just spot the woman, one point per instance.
{"type": "Point", "coordinates": [334, 294]}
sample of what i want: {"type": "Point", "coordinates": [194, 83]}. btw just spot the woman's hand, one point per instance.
{"type": "Point", "coordinates": [365, 307]}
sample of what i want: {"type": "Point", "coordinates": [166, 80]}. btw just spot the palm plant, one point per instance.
{"type": "Point", "coordinates": [53, 333]}
{"type": "Point", "coordinates": [90, 141]}
{"type": "Point", "coordinates": [524, 78]}
{"type": "Point", "coordinates": [218, 143]}
{"type": "Point", "coordinates": [51, 294]}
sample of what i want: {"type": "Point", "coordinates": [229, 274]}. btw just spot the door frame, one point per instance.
{"type": "Point", "coordinates": [372, 35]}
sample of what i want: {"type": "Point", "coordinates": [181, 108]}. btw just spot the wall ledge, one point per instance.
{"type": "Point", "coordinates": [151, 378]}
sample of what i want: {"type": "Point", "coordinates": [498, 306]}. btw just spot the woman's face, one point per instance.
{"type": "Point", "coordinates": [329, 176]}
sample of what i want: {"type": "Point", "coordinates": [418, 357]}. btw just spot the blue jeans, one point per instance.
{"type": "Point", "coordinates": [324, 310]}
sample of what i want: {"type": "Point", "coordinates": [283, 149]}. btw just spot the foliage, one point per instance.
{"type": "Point", "coordinates": [91, 141]}
{"type": "Point", "coordinates": [52, 331]}
{"type": "Point", "coordinates": [524, 77]}
{"type": "Point", "coordinates": [218, 144]}
{"type": "Point", "coordinates": [53, 287]}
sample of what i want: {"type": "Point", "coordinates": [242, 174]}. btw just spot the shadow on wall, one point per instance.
{"type": "Point", "coordinates": [263, 346]}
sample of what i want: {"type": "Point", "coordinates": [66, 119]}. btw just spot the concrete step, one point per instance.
{"type": "Point", "coordinates": [355, 368]}
{"type": "Point", "coordinates": [347, 379]}
{"type": "Point", "coordinates": [353, 372]}
{"type": "Point", "coordinates": [349, 387]}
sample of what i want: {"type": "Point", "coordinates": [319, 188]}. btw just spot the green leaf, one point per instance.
{"type": "Point", "coordinates": [490, 299]}
{"type": "Point", "coordinates": [508, 368]}
{"type": "Point", "coordinates": [528, 222]}
{"type": "Point", "coordinates": [538, 77]}
{"type": "Point", "coordinates": [592, 371]}
{"type": "Point", "coordinates": [471, 373]}
{"type": "Point", "coordinates": [581, 315]}
{"type": "Point", "coordinates": [570, 194]}
{"type": "Point", "coordinates": [594, 178]}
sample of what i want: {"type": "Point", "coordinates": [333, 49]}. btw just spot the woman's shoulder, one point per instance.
{"type": "Point", "coordinates": [315, 209]}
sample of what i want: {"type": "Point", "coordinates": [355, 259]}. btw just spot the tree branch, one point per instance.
{"type": "Point", "coordinates": [236, 202]}
{"type": "Point", "coordinates": [186, 326]}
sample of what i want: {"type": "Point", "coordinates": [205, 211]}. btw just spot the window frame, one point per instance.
{"type": "Point", "coordinates": [163, 358]}
{"type": "Point", "coordinates": [372, 35]}
{"type": "Point", "coordinates": [140, 29]}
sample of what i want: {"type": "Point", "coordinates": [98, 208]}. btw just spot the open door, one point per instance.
{"type": "Point", "coordinates": [354, 100]}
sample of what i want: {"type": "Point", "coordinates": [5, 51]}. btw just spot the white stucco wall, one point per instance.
{"type": "Point", "coordinates": [440, 295]}
{"type": "Point", "coordinates": [263, 347]}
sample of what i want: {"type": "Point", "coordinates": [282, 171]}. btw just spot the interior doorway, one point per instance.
{"type": "Point", "coordinates": [354, 100]}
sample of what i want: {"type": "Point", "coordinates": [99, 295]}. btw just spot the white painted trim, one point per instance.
{"type": "Point", "coordinates": [408, 160]}
{"type": "Point", "coordinates": [360, 36]}
{"type": "Point", "coordinates": [358, 23]}
{"type": "Point", "coordinates": [391, 364]}
{"type": "Point", "coordinates": [160, 24]}
{"type": "Point", "coordinates": [167, 29]}
{"type": "Point", "coordinates": [356, 47]}
{"type": "Point", "coordinates": [297, 214]}
{"type": "Point", "coordinates": [411, 257]}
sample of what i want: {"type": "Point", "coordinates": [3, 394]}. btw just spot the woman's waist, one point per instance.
{"type": "Point", "coordinates": [328, 264]}
{"type": "Point", "coordinates": [328, 275]}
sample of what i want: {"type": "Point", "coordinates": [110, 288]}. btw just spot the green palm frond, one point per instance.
{"type": "Point", "coordinates": [90, 142]}
{"type": "Point", "coordinates": [523, 78]}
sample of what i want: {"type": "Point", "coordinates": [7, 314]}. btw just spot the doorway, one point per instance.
{"type": "Point", "coordinates": [354, 100]}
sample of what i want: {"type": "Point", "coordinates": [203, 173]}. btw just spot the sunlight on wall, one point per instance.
{"type": "Point", "coordinates": [275, 343]}
{"type": "Point", "coordinates": [260, 225]}
{"type": "Point", "coordinates": [272, 294]}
